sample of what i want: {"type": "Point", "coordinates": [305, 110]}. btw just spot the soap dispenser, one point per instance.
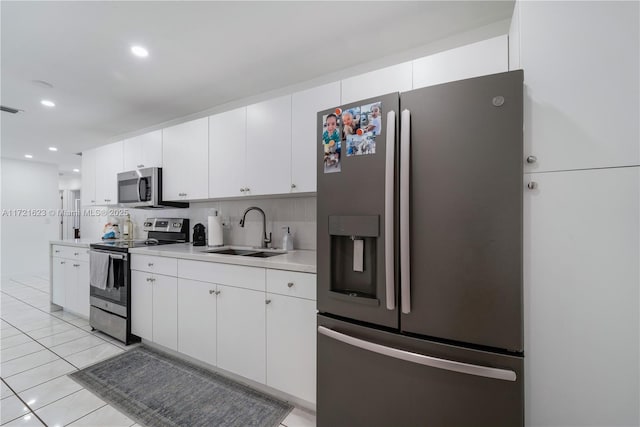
{"type": "Point", "coordinates": [287, 240]}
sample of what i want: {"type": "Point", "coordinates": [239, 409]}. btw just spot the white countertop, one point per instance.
{"type": "Point", "coordinates": [79, 243]}
{"type": "Point", "coordinates": [299, 260]}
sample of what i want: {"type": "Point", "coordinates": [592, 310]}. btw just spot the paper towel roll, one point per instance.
{"type": "Point", "coordinates": [214, 230]}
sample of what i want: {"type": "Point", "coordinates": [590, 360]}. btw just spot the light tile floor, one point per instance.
{"type": "Point", "coordinates": [38, 348]}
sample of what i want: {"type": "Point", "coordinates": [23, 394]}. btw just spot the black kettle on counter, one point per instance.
{"type": "Point", "coordinates": [199, 235]}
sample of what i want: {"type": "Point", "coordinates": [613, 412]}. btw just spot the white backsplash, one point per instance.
{"type": "Point", "coordinates": [298, 213]}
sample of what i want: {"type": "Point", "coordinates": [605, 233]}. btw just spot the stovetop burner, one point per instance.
{"type": "Point", "coordinates": [161, 231]}
{"type": "Point", "coordinates": [125, 245]}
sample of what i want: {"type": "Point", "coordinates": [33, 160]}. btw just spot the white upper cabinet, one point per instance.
{"type": "Point", "coordinates": [477, 59]}
{"type": "Point", "coordinates": [581, 93]}
{"type": "Point", "coordinates": [227, 151]}
{"type": "Point", "coordinates": [88, 178]}
{"type": "Point", "coordinates": [396, 78]}
{"type": "Point", "coordinates": [304, 133]}
{"type": "Point", "coordinates": [143, 151]}
{"type": "Point", "coordinates": [185, 158]}
{"type": "Point", "coordinates": [268, 165]}
{"type": "Point", "coordinates": [109, 161]}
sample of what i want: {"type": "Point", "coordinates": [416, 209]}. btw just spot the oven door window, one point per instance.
{"type": "Point", "coordinates": [116, 290]}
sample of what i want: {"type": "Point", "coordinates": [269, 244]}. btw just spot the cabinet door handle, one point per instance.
{"type": "Point", "coordinates": [246, 189]}
{"type": "Point", "coordinates": [150, 264]}
{"type": "Point", "coordinates": [218, 292]}
{"type": "Point", "coordinates": [107, 200]}
{"type": "Point", "coordinates": [532, 185]}
{"type": "Point", "coordinates": [532, 159]}
{"type": "Point", "coordinates": [62, 262]}
{"type": "Point", "coordinates": [140, 166]}
{"type": "Point", "coordinates": [268, 301]}
{"type": "Point", "coordinates": [290, 284]}
{"type": "Point", "coordinates": [242, 190]}
{"type": "Point", "coordinates": [293, 186]}
{"type": "Point", "coordinates": [76, 253]}
{"type": "Point", "coordinates": [93, 201]}
{"type": "Point", "coordinates": [76, 265]}
{"type": "Point", "coordinates": [211, 292]}
{"type": "Point", "coordinates": [56, 251]}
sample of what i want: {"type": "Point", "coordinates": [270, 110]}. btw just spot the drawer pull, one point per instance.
{"type": "Point", "coordinates": [290, 284]}
{"type": "Point", "coordinates": [268, 301]}
{"type": "Point", "coordinates": [76, 253]}
{"type": "Point", "coordinates": [150, 264]}
{"type": "Point", "coordinates": [56, 251]}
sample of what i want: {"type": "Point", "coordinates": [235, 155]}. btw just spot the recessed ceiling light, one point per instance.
{"type": "Point", "coordinates": [28, 156]}
{"type": "Point", "coordinates": [47, 103]}
{"type": "Point", "coordinates": [139, 51]}
{"type": "Point", "coordinates": [76, 170]}
{"type": "Point", "coordinates": [53, 149]}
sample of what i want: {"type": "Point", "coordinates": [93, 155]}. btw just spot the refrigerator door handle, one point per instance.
{"type": "Point", "coordinates": [433, 362]}
{"type": "Point", "coordinates": [389, 194]}
{"type": "Point", "coordinates": [405, 229]}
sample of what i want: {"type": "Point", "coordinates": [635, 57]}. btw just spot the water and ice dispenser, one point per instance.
{"type": "Point", "coordinates": [354, 256]}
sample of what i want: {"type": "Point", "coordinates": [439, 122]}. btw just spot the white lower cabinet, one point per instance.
{"type": "Point", "coordinates": [241, 332]}
{"type": "Point", "coordinates": [221, 314]}
{"type": "Point", "coordinates": [197, 319]}
{"type": "Point", "coordinates": [70, 286]}
{"type": "Point", "coordinates": [81, 300]}
{"type": "Point", "coordinates": [581, 251]}
{"type": "Point", "coordinates": [58, 288]}
{"type": "Point", "coordinates": [154, 313]}
{"type": "Point", "coordinates": [165, 310]}
{"type": "Point", "coordinates": [141, 305]}
{"type": "Point", "coordinates": [291, 345]}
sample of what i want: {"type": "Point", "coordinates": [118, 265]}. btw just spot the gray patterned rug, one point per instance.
{"type": "Point", "coordinates": [156, 389]}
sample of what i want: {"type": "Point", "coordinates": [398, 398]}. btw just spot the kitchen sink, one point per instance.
{"type": "Point", "coordinates": [264, 254]}
{"type": "Point", "coordinates": [229, 251]}
{"type": "Point", "coordinates": [243, 252]}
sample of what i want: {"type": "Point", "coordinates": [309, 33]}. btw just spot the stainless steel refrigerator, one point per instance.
{"type": "Point", "coordinates": [419, 261]}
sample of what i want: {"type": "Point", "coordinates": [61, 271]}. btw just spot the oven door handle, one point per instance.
{"type": "Point", "coordinates": [112, 255]}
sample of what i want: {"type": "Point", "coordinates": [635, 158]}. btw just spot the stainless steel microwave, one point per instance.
{"type": "Point", "coordinates": [142, 188]}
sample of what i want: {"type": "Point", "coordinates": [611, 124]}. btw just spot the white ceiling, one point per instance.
{"type": "Point", "coordinates": [202, 54]}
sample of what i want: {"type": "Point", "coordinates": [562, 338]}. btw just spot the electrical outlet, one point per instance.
{"type": "Point", "coordinates": [226, 223]}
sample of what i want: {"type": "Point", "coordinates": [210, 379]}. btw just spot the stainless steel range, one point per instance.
{"type": "Point", "coordinates": [110, 290]}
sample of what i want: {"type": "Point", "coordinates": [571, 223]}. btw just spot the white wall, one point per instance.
{"type": "Point", "coordinates": [582, 223]}
{"type": "Point", "coordinates": [25, 239]}
{"type": "Point", "coordinates": [69, 182]}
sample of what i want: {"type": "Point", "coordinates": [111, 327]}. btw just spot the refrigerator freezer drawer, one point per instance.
{"type": "Point", "coordinates": [369, 377]}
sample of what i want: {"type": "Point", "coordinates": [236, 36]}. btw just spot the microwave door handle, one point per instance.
{"type": "Point", "coordinates": [139, 194]}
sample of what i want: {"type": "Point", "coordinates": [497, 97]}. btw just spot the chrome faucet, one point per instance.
{"type": "Point", "coordinates": [265, 240]}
